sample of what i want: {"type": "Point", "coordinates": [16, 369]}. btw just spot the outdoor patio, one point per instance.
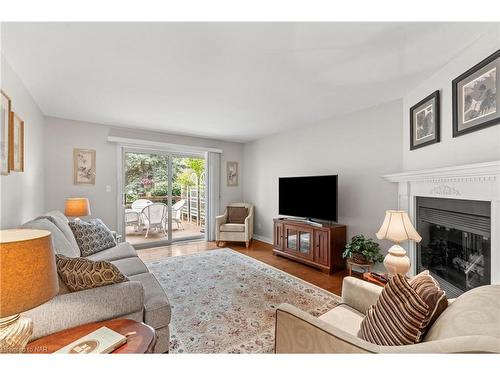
{"type": "Point", "coordinates": [138, 237]}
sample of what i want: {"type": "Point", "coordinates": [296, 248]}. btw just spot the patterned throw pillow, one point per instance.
{"type": "Point", "coordinates": [403, 311]}
{"type": "Point", "coordinates": [81, 273]}
{"type": "Point", "coordinates": [237, 215]}
{"type": "Point", "coordinates": [92, 236]}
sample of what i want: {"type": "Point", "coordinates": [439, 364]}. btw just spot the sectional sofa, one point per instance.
{"type": "Point", "coordinates": [141, 298]}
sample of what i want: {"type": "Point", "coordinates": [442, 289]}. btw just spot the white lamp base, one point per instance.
{"type": "Point", "coordinates": [15, 332]}
{"type": "Point", "coordinates": [396, 261]}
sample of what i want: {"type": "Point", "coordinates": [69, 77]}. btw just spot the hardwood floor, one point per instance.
{"type": "Point", "coordinates": [258, 250]}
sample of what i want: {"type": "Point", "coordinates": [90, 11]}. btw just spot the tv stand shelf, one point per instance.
{"type": "Point", "coordinates": [317, 245]}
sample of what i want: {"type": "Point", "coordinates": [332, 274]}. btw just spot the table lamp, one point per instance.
{"type": "Point", "coordinates": [76, 207]}
{"type": "Point", "coordinates": [397, 227]}
{"type": "Point", "coordinates": [28, 278]}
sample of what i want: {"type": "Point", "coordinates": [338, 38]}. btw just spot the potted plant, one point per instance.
{"type": "Point", "coordinates": [363, 251]}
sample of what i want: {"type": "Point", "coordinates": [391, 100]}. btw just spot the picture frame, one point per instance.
{"type": "Point", "coordinates": [232, 173]}
{"type": "Point", "coordinates": [5, 119]}
{"type": "Point", "coordinates": [425, 121]}
{"type": "Point", "coordinates": [16, 143]}
{"type": "Point", "coordinates": [84, 166]}
{"type": "Point", "coordinates": [476, 104]}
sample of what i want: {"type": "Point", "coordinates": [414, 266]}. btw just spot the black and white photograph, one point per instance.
{"type": "Point", "coordinates": [475, 100]}
{"type": "Point", "coordinates": [424, 122]}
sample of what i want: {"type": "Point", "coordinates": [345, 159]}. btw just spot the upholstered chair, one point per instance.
{"type": "Point", "coordinates": [241, 232]}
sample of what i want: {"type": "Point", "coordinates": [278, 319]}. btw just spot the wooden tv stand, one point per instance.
{"type": "Point", "coordinates": [316, 246]}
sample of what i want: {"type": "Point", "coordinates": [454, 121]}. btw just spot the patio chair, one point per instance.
{"type": "Point", "coordinates": [154, 217]}
{"type": "Point", "coordinates": [133, 214]}
{"type": "Point", "coordinates": [176, 213]}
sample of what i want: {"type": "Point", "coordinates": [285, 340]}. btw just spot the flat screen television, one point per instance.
{"type": "Point", "coordinates": [312, 197]}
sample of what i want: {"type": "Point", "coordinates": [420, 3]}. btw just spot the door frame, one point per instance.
{"type": "Point", "coordinates": [121, 228]}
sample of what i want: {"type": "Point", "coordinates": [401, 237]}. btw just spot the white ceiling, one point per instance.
{"type": "Point", "coordinates": [230, 81]}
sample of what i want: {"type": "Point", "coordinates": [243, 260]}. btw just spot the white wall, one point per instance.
{"type": "Point", "coordinates": [22, 193]}
{"type": "Point", "coordinates": [62, 136]}
{"type": "Point", "coordinates": [479, 146]}
{"type": "Point", "coordinates": [360, 148]}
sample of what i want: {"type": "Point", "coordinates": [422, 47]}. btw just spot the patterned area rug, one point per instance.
{"type": "Point", "coordinates": [225, 302]}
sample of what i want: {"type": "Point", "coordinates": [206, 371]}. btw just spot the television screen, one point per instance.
{"type": "Point", "coordinates": [313, 197]}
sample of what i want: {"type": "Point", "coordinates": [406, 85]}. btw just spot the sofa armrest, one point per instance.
{"type": "Point", "coordinates": [300, 332]}
{"type": "Point", "coordinates": [87, 306]}
{"type": "Point", "coordinates": [219, 220]}
{"type": "Point", "coordinates": [249, 225]}
{"type": "Point", "coordinates": [359, 294]}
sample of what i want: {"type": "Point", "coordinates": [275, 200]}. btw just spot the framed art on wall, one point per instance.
{"type": "Point", "coordinates": [4, 133]}
{"type": "Point", "coordinates": [16, 144]}
{"type": "Point", "coordinates": [476, 104]}
{"type": "Point", "coordinates": [232, 173]}
{"type": "Point", "coordinates": [84, 166]}
{"type": "Point", "coordinates": [425, 122]}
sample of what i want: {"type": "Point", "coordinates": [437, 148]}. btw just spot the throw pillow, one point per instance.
{"type": "Point", "coordinates": [81, 273]}
{"type": "Point", "coordinates": [428, 289]}
{"type": "Point", "coordinates": [92, 236]}
{"type": "Point", "coordinates": [402, 313]}
{"type": "Point", "coordinates": [236, 215]}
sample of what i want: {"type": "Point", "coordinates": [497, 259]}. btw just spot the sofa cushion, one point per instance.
{"type": "Point", "coordinates": [130, 266]}
{"type": "Point", "coordinates": [81, 273]}
{"type": "Point", "coordinates": [156, 304]}
{"type": "Point", "coordinates": [400, 316]}
{"type": "Point", "coordinates": [92, 236]}
{"type": "Point", "coordinates": [474, 313]}
{"type": "Point", "coordinates": [232, 227]}
{"type": "Point", "coordinates": [59, 242]}
{"type": "Point", "coordinates": [121, 250]}
{"type": "Point", "coordinates": [236, 215]}
{"type": "Point", "coordinates": [61, 222]}
{"type": "Point", "coordinates": [344, 317]}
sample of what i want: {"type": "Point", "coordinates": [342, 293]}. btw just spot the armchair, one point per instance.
{"type": "Point", "coordinates": [336, 331]}
{"type": "Point", "coordinates": [225, 231]}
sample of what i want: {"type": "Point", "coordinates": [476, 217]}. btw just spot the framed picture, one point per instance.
{"type": "Point", "coordinates": [425, 122]}
{"type": "Point", "coordinates": [232, 173]}
{"type": "Point", "coordinates": [476, 104]}
{"type": "Point", "coordinates": [84, 166]}
{"type": "Point", "coordinates": [4, 133]}
{"type": "Point", "coordinates": [16, 145]}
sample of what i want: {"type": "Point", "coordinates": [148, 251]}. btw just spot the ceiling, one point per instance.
{"type": "Point", "coordinates": [229, 81]}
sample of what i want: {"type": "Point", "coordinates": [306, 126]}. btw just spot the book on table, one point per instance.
{"type": "Point", "coordinates": [100, 341]}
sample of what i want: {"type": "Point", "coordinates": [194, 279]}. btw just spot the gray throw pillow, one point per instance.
{"type": "Point", "coordinates": [92, 236]}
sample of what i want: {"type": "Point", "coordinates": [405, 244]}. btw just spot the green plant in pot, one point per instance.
{"type": "Point", "coordinates": [362, 251]}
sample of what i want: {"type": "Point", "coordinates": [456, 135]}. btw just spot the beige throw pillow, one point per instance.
{"type": "Point", "coordinates": [81, 273]}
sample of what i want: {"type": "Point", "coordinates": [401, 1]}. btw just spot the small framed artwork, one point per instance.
{"type": "Point", "coordinates": [232, 173]}
{"type": "Point", "coordinates": [84, 166]}
{"type": "Point", "coordinates": [476, 104]}
{"type": "Point", "coordinates": [16, 145]}
{"type": "Point", "coordinates": [4, 133]}
{"type": "Point", "coordinates": [425, 122]}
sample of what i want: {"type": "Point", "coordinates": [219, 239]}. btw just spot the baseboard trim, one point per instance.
{"type": "Point", "coordinates": [263, 239]}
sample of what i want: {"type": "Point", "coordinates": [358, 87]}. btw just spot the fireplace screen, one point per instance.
{"type": "Point", "coordinates": [455, 245]}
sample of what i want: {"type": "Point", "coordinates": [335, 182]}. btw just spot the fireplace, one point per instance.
{"type": "Point", "coordinates": [457, 212]}
{"type": "Point", "coordinates": [456, 242]}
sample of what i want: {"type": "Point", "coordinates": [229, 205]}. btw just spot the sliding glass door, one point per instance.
{"type": "Point", "coordinates": [163, 197]}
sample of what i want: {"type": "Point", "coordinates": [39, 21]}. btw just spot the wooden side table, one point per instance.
{"type": "Point", "coordinates": [366, 266]}
{"type": "Point", "coordinates": [141, 338]}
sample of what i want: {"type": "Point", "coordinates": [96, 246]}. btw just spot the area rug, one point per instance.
{"type": "Point", "coordinates": [225, 302]}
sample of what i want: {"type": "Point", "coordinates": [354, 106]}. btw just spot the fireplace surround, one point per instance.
{"type": "Point", "coordinates": [452, 193]}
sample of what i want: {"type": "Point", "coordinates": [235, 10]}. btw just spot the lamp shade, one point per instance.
{"type": "Point", "coordinates": [397, 227]}
{"type": "Point", "coordinates": [76, 207]}
{"type": "Point", "coordinates": [28, 274]}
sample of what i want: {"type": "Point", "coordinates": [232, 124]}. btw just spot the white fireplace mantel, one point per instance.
{"type": "Point", "coordinates": [479, 181]}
